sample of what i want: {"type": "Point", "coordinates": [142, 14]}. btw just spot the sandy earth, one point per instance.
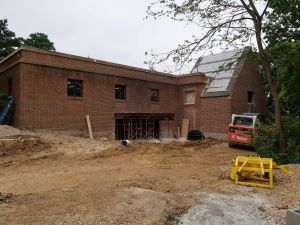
{"type": "Point", "coordinates": [73, 180]}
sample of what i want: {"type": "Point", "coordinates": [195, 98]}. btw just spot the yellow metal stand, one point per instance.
{"type": "Point", "coordinates": [254, 171]}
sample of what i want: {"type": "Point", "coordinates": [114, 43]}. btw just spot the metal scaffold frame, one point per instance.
{"type": "Point", "coordinates": [137, 128]}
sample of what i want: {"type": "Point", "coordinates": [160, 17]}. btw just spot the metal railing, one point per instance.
{"type": "Point", "coordinates": [5, 109]}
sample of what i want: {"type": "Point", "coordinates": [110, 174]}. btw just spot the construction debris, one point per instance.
{"type": "Point", "coordinates": [14, 139]}
{"type": "Point", "coordinates": [125, 143]}
{"type": "Point", "coordinates": [7, 131]}
{"type": "Point", "coordinates": [11, 132]}
{"type": "Point", "coordinates": [185, 128]}
{"type": "Point", "coordinates": [89, 126]}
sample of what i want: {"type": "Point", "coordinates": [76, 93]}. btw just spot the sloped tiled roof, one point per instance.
{"type": "Point", "coordinates": [221, 69]}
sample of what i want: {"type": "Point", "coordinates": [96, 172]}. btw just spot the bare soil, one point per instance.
{"type": "Point", "coordinates": [73, 180]}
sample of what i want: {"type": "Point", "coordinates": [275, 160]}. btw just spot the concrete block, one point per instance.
{"type": "Point", "coordinates": [293, 216]}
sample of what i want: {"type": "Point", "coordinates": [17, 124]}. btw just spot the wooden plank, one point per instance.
{"type": "Point", "coordinates": [89, 126]}
{"type": "Point", "coordinates": [185, 127]}
{"type": "Point", "coordinates": [178, 132]}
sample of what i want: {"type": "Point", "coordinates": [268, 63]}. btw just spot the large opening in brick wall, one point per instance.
{"type": "Point", "coordinates": [132, 126]}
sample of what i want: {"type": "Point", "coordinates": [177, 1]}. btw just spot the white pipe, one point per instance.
{"type": "Point", "coordinates": [125, 143]}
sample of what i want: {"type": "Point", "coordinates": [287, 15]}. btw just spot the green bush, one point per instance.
{"type": "Point", "coordinates": [266, 141]}
{"type": "Point", "coordinates": [172, 219]}
{"type": "Point", "coordinates": [3, 102]}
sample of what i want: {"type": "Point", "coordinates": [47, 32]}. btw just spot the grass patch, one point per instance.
{"type": "Point", "coordinates": [172, 219]}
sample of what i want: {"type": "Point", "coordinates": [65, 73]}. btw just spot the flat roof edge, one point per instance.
{"type": "Point", "coordinates": [70, 56]}
{"type": "Point", "coordinates": [10, 55]}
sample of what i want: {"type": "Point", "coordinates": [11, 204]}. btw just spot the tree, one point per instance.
{"type": "Point", "coordinates": [8, 40]}
{"type": "Point", "coordinates": [283, 39]}
{"type": "Point", "coordinates": [39, 40]}
{"type": "Point", "coordinates": [283, 22]}
{"type": "Point", "coordinates": [287, 56]}
{"type": "Point", "coordinates": [228, 23]}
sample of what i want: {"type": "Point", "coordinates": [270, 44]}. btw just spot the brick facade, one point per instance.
{"type": "Point", "coordinates": [215, 115]}
{"type": "Point", "coordinates": [248, 80]}
{"type": "Point", "coordinates": [40, 89]}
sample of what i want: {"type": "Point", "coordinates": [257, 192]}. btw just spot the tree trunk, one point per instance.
{"type": "Point", "coordinates": [266, 65]}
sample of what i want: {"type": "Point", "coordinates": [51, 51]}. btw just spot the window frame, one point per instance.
{"type": "Point", "coordinates": [73, 94]}
{"type": "Point", "coordinates": [124, 88]}
{"type": "Point", "coordinates": [154, 98]}
{"type": "Point", "coordinates": [185, 95]}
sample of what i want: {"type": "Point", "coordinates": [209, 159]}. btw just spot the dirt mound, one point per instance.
{"type": "Point", "coordinates": [144, 147]}
{"type": "Point", "coordinates": [6, 131]}
{"type": "Point", "coordinates": [219, 209]}
{"type": "Point", "coordinates": [12, 132]}
{"type": "Point", "coordinates": [69, 180]}
{"type": "Point", "coordinates": [5, 197]}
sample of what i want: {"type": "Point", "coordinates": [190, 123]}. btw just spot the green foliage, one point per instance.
{"type": "Point", "coordinates": [8, 40]}
{"type": "Point", "coordinates": [282, 34]}
{"type": "Point", "coordinates": [3, 102]}
{"type": "Point", "coordinates": [172, 219]}
{"type": "Point", "coordinates": [39, 40]}
{"type": "Point", "coordinates": [283, 22]}
{"type": "Point", "coordinates": [266, 141]}
{"type": "Point", "coordinates": [287, 56]}
{"type": "Point", "coordinates": [283, 39]}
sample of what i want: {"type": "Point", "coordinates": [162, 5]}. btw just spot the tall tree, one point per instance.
{"type": "Point", "coordinates": [283, 39]}
{"type": "Point", "coordinates": [8, 40]}
{"type": "Point", "coordinates": [223, 23]}
{"type": "Point", "coordinates": [39, 40]}
{"type": "Point", "coordinates": [283, 22]}
{"type": "Point", "coordinates": [287, 57]}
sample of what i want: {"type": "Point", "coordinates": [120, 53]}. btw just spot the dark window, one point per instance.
{"type": "Point", "coordinates": [75, 88]}
{"type": "Point", "coordinates": [120, 92]}
{"type": "Point", "coordinates": [154, 97]}
{"type": "Point", "coordinates": [251, 102]}
{"type": "Point", "coordinates": [10, 86]}
{"type": "Point", "coordinates": [247, 121]}
{"type": "Point", "coordinates": [251, 97]}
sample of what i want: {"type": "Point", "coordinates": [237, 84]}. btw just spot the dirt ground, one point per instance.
{"type": "Point", "coordinates": [74, 180]}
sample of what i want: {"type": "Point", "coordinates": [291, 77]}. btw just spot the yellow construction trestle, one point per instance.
{"type": "Point", "coordinates": [254, 171]}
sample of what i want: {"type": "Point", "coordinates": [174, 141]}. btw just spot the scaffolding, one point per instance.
{"type": "Point", "coordinates": [137, 128]}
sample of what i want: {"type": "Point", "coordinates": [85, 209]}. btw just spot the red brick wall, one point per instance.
{"type": "Point", "coordinates": [61, 60]}
{"type": "Point", "coordinates": [167, 129]}
{"type": "Point", "coordinates": [42, 101]}
{"type": "Point", "coordinates": [46, 104]}
{"type": "Point", "coordinates": [248, 80]}
{"type": "Point", "coordinates": [215, 114]}
{"type": "Point", "coordinates": [216, 111]}
{"type": "Point", "coordinates": [191, 111]}
{"type": "Point", "coordinates": [14, 73]}
{"type": "Point", "coordinates": [10, 61]}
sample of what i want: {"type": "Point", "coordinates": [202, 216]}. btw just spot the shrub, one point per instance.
{"type": "Point", "coordinates": [266, 141]}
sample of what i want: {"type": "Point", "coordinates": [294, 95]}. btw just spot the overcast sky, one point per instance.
{"type": "Point", "coordinates": [114, 31]}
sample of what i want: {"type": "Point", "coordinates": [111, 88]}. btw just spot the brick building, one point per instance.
{"type": "Point", "coordinates": [55, 91]}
